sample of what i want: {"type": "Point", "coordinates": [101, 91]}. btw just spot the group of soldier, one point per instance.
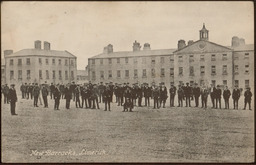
{"type": "Point", "coordinates": [90, 95]}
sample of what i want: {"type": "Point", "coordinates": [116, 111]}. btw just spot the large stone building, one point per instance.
{"type": "Point", "coordinates": [40, 65]}
{"type": "Point", "coordinates": [3, 81]}
{"type": "Point", "coordinates": [201, 62]}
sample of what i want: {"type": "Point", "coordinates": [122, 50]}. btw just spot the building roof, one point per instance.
{"type": "Point", "coordinates": [135, 53]}
{"type": "Point", "coordinates": [42, 52]}
{"type": "Point", "coordinates": [243, 47]}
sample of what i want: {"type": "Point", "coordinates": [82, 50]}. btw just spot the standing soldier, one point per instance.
{"type": "Point", "coordinates": [25, 91]}
{"type": "Point", "coordinates": [6, 94]}
{"type": "Point", "coordinates": [172, 92]}
{"type": "Point", "coordinates": [73, 87]}
{"type": "Point", "coordinates": [204, 96]}
{"type": "Point", "coordinates": [107, 98]}
{"type": "Point", "coordinates": [119, 95]}
{"type": "Point", "coordinates": [155, 95]}
{"type": "Point", "coordinates": [213, 94]}
{"type": "Point", "coordinates": [28, 90]}
{"type": "Point", "coordinates": [45, 94]}
{"type": "Point", "coordinates": [187, 92]}
{"type": "Point", "coordinates": [111, 87]}
{"type": "Point", "coordinates": [52, 88]}
{"type": "Point", "coordinates": [218, 97]}
{"type": "Point", "coordinates": [85, 96]}
{"type": "Point", "coordinates": [22, 89]}
{"type": "Point", "coordinates": [101, 89]}
{"type": "Point", "coordinates": [162, 95]}
{"type": "Point", "coordinates": [134, 94]}
{"type": "Point", "coordinates": [196, 93]}
{"type": "Point", "coordinates": [236, 96]}
{"type": "Point", "coordinates": [180, 96]}
{"type": "Point", "coordinates": [31, 91]}
{"type": "Point", "coordinates": [139, 95]}
{"type": "Point", "coordinates": [36, 92]}
{"type": "Point", "coordinates": [147, 94]}
{"type": "Point", "coordinates": [68, 95]}
{"type": "Point", "coordinates": [115, 91]}
{"type": "Point", "coordinates": [77, 96]}
{"type": "Point", "coordinates": [62, 90]}
{"type": "Point", "coordinates": [247, 98]}
{"type": "Point", "coordinates": [226, 95]}
{"type": "Point", "coordinates": [13, 99]}
{"type": "Point", "coordinates": [94, 97]}
{"type": "Point", "coordinates": [56, 95]}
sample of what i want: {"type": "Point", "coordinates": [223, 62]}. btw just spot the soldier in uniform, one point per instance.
{"type": "Point", "coordinates": [172, 92]}
{"type": "Point", "coordinates": [218, 97]}
{"type": "Point", "coordinates": [236, 96]}
{"type": "Point", "coordinates": [94, 97]}
{"type": "Point", "coordinates": [13, 99]}
{"type": "Point", "coordinates": [226, 95]}
{"type": "Point", "coordinates": [115, 91]}
{"type": "Point", "coordinates": [62, 90]}
{"type": "Point", "coordinates": [73, 87]}
{"type": "Point", "coordinates": [31, 91]}
{"type": "Point", "coordinates": [36, 92]}
{"type": "Point", "coordinates": [25, 90]}
{"type": "Point", "coordinates": [196, 93]}
{"type": "Point", "coordinates": [111, 87]}
{"type": "Point", "coordinates": [134, 94]}
{"type": "Point", "coordinates": [45, 94]}
{"type": "Point", "coordinates": [139, 95]}
{"type": "Point", "coordinates": [187, 93]}
{"type": "Point", "coordinates": [56, 95]}
{"type": "Point", "coordinates": [119, 94]}
{"type": "Point", "coordinates": [68, 95]}
{"type": "Point", "coordinates": [180, 96]}
{"type": "Point", "coordinates": [247, 98]}
{"type": "Point", "coordinates": [155, 95]}
{"type": "Point", "coordinates": [162, 95]}
{"type": "Point", "coordinates": [213, 94]}
{"type": "Point", "coordinates": [107, 97]}
{"type": "Point", "coordinates": [22, 89]}
{"type": "Point", "coordinates": [85, 96]}
{"type": "Point", "coordinates": [52, 88]}
{"type": "Point", "coordinates": [6, 94]}
{"type": "Point", "coordinates": [101, 89]}
{"type": "Point", "coordinates": [77, 96]}
{"type": "Point", "coordinates": [204, 96]}
{"type": "Point", "coordinates": [147, 94]}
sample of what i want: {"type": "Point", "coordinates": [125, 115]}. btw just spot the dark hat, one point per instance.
{"type": "Point", "coordinates": [187, 83]}
{"type": "Point", "coordinates": [218, 85]}
{"type": "Point", "coordinates": [12, 85]}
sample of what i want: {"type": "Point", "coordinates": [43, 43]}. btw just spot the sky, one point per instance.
{"type": "Point", "coordinates": [85, 28]}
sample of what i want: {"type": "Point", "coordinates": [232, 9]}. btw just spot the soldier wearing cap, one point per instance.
{"type": "Point", "coordinates": [162, 95]}
{"type": "Point", "coordinates": [236, 96]}
{"type": "Point", "coordinates": [107, 98]}
{"type": "Point", "coordinates": [13, 99]}
{"type": "Point", "coordinates": [101, 88]}
{"type": "Point", "coordinates": [172, 92]}
{"type": "Point", "coordinates": [77, 96]}
{"type": "Point", "coordinates": [204, 96]}
{"type": "Point", "coordinates": [52, 89]}
{"type": "Point", "coordinates": [247, 98]}
{"type": "Point", "coordinates": [213, 94]}
{"type": "Point", "coordinates": [111, 87]}
{"type": "Point", "coordinates": [45, 94]}
{"type": "Point", "coordinates": [147, 91]}
{"type": "Point", "coordinates": [134, 94]}
{"type": "Point", "coordinates": [226, 95]}
{"type": "Point", "coordinates": [22, 89]}
{"type": "Point", "coordinates": [6, 94]}
{"type": "Point", "coordinates": [85, 93]}
{"type": "Point", "coordinates": [56, 96]}
{"type": "Point", "coordinates": [187, 93]}
{"type": "Point", "coordinates": [196, 93]}
{"type": "Point", "coordinates": [119, 94]}
{"type": "Point", "coordinates": [94, 97]}
{"type": "Point", "coordinates": [139, 95]}
{"type": "Point", "coordinates": [36, 92]}
{"type": "Point", "coordinates": [218, 97]}
{"type": "Point", "coordinates": [180, 96]}
{"type": "Point", "coordinates": [155, 96]}
{"type": "Point", "coordinates": [68, 95]}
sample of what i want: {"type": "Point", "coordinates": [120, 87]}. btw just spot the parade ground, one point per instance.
{"type": "Point", "coordinates": [39, 134]}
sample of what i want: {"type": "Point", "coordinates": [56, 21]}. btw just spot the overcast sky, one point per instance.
{"type": "Point", "coordinates": [84, 28]}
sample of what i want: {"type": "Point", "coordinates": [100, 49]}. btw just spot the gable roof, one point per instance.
{"type": "Point", "coordinates": [202, 46]}
{"type": "Point", "coordinates": [42, 52]}
{"type": "Point", "coordinates": [135, 53]}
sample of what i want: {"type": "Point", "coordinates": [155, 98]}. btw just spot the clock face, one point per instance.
{"type": "Point", "coordinates": [202, 45]}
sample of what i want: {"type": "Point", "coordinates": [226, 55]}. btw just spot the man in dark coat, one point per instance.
{"type": "Point", "coordinates": [22, 89]}
{"type": "Point", "coordinates": [62, 90]}
{"type": "Point", "coordinates": [36, 92]}
{"type": "Point", "coordinates": [172, 92]}
{"type": "Point", "coordinates": [218, 97]}
{"type": "Point", "coordinates": [56, 95]}
{"type": "Point", "coordinates": [68, 95]}
{"type": "Point", "coordinates": [139, 95]}
{"type": "Point", "coordinates": [134, 94]}
{"type": "Point", "coordinates": [107, 97]}
{"type": "Point", "coordinates": [13, 99]}
{"type": "Point", "coordinates": [52, 88]}
{"type": "Point", "coordinates": [196, 93]}
{"type": "Point", "coordinates": [77, 96]}
{"type": "Point", "coordinates": [101, 88]}
{"type": "Point", "coordinates": [45, 94]}
{"type": "Point", "coordinates": [213, 94]}
{"type": "Point", "coordinates": [31, 88]}
{"type": "Point", "coordinates": [119, 94]}
{"type": "Point", "coordinates": [247, 98]}
{"type": "Point", "coordinates": [111, 87]}
{"type": "Point", "coordinates": [155, 96]}
{"type": "Point", "coordinates": [85, 92]}
{"type": "Point", "coordinates": [94, 97]}
{"type": "Point", "coordinates": [226, 95]}
{"type": "Point", "coordinates": [236, 96]}
{"type": "Point", "coordinates": [187, 93]}
{"type": "Point", "coordinates": [162, 95]}
{"type": "Point", "coordinates": [73, 87]}
{"type": "Point", "coordinates": [204, 96]}
{"type": "Point", "coordinates": [180, 96]}
{"type": "Point", "coordinates": [6, 94]}
{"type": "Point", "coordinates": [147, 94]}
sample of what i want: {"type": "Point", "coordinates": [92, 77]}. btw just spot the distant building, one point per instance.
{"type": "Point", "coordinates": [201, 62]}
{"type": "Point", "coordinates": [82, 76]}
{"type": "Point", "coordinates": [40, 65]}
{"type": "Point", "coordinates": [3, 81]}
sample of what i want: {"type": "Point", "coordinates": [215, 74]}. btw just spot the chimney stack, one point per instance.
{"type": "Point", "coordinates": [47, 45]}
{"type": "Point", "coordinates": [136, 46]}
{"type": "Point", "coordinates": [190, 42]}
{"type": "Point", "coordinates": [108, 49]}
{"type": "Point", "coordinates": [181, 44]}
{"type": "Point", "coordinates": [237, 41]}
{"type": "Point", "coordinates": [146, 46]}
{"type": "Point", "coordinates": [37, 44]}
{"type": "Point", "coordinates": [8, 52]}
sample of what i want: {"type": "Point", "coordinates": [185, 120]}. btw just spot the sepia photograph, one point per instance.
{"type": "Point", "coordinates": [127, 82]}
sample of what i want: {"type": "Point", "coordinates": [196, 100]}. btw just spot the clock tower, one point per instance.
{"type": "Point", "coordinates": [204, 34]}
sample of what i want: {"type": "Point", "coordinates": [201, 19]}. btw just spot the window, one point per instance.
{"type": "Point", "coordinates": [53, 74]}
{"type": "Point", "coordinates": [93, 61]}
{"type": "Point", "coordinates": [72, 62]}
{"type": "Point", "coordinates": [171, 72]}
{"type": "Point", "coordinates": [153, 72]}
{"type": "Point", "coordinates": [202, 70]}
{"type": "Point", "coordinates": [213, 70]}
{"type": "Point", "coordinates": [171, 58]}
{"type": "Point", "coordinates": [126, 73]}
{"type": "Point", "coordinates": [135, 73]}
{"type": "Point", "coordinates": [40, 74]}
{"type": "Point", "coordinates": [110, 74]}
{"type": "Point", "coordinates": [162, 72]}
{"type": "Point", "coordinates": [126, 60]}
{"type": "Point", "coordinates": [191, 58]}
{"type": "Point", "coordinates": [11, 62]}
{"type": "Point", "coordinates": [11, 74]}
{"type": "Point", "coordinates": [236, 69]}
{"type": "Point", "coordinates": [224, 57]}
{"type": "Point", "coordinates": [101, 61]}
{"type": "Point", "coordinates": [224, 70]}
{"type": "Point", "coordinates": [191, 71]}
{"type": "Point", "coordinates": [180, 71]}
{"type": "Point", "coordinates": [118, 74]}
{"type": "Point", "coordinates": [102, 74]}
{"type": "Point", "coordinates": [213, 57]}
{"type": "Point", "coordinates": [246, 69]}
{"type": "Point", "coordinates": [60, 75]}
{"type": "Point", "coordinates": [162, 60]}
{"type": "Point", "coordinates": [246, 55]}
{"type": "Point", "coordinates": [46, 61]}
{"type": "Point", "coordinates": [72, 75]}
{"type": "Point", "coordinates": [109, 61]}
{"type": "Point", "coordinates": [20, 74]}
{"type": "Point", "coordinates": [59, 61]}
{"type": "Point", "coordinates": [153, 60]}
{"type": "Point", "coordinates": [40, 61]}
{"type": "Point", "coordinates": [144, 73]}
{"type": "Point", "coordinates": [47, 74]}
{"type": "Point", "coordinates": [202, 57]}
{"type": "Point", "coordinates": [19, 62]}
{"type": "Point", "coordinates": [246, 83]}
{"type": "Point", "coordinates": [144, 60]}
{"type": "Point", "coordinates": [28, 74]}
{"type": "Point", "coordinates": [66, 75]}
{"type": "Point", "coordinates": [237, 83]}
{"type": "Point", "coordinates": [180, 58]}
{"type": "Point", "coordinates": [214, 82]}
{"type": "Point", "coordinates": [53, 61]}
{"type": "Point", "coordinates": [93, 75]}
{"type": "Point", "coordinates": [118, 60]}
{"type": "Point", "coordinates": [135, 60]}
{"type": "Point", "coordinates": [225, 82]}
{"type": "Point", "coordinates": [236, 56]}
{"type": "Point", "coordinates": [66, 62]}
{"type": "Point", "coordinates": [28, 61]}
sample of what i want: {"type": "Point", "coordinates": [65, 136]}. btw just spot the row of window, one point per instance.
{"type": "Point", "coordinates": [41, 74]}
{"type": "Point", "coordinates": [224, 82]}
{"type": "Point", "coordinates": [202, 57]}
{"type": "Point", "coordinates": [40, 61]}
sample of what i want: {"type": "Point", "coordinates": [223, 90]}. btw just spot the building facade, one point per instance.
{"type": "Point", "coordinates": [3, 81]}
{"type": "Point", "coordinates": [40, 65]}
{"type": "Point", "coordinates": [82, 76]}
{"type": "Point", "coordinates": [201, 62]}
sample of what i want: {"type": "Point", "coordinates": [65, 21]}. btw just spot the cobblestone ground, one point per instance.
{"type": "Point", "coordinates": [145, 135]}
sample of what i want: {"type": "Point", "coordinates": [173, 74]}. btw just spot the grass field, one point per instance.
{"type": "Point", "coordinates": [145, 135]}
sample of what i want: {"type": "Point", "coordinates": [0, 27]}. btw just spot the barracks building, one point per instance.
{"type": "Point", "coordinates": [201, 62]}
